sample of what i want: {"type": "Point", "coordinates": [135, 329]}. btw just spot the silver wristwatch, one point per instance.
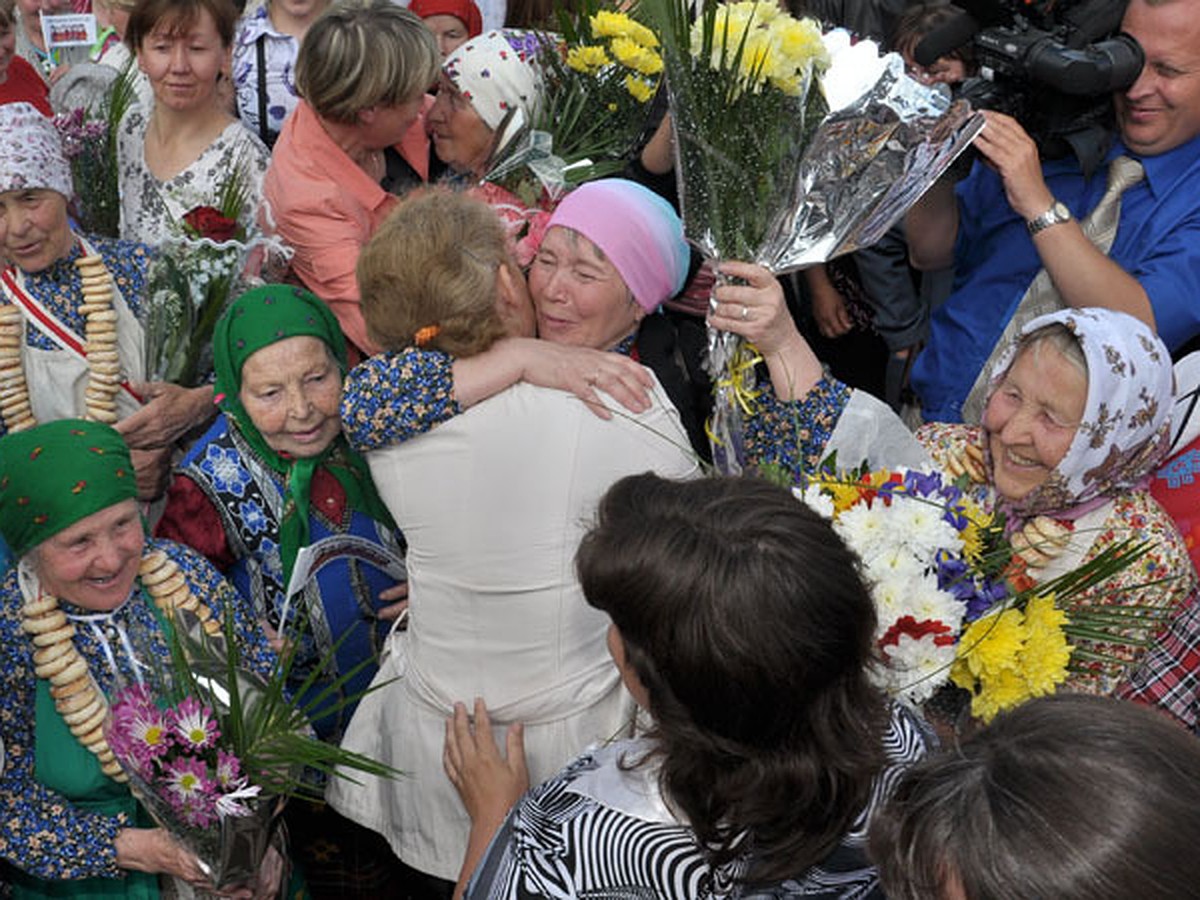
{"type": "Point", "coordinates": [1055, 215]}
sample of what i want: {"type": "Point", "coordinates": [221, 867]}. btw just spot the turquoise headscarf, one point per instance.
{"type": "Point", "coordinates": [257, 319]}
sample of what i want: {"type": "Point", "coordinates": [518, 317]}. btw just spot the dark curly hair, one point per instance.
{"type": "Point", "coordinates": [745, 618]}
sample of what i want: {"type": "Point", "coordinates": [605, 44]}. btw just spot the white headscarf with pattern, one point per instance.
{"type": "Point", "coordinates": [497, 73]}
{"type": "Point", "coordinates": [1125, 429]}
{"type": "Point", "coordinates": [31, 152]}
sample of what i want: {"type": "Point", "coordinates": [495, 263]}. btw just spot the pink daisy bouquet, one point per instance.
{"type": "Point", "coordinates": [175, 753]}
{"type": "Point", "coordinates": [954, 598]}
{"type": "Point", "coordinates": [212, 750]}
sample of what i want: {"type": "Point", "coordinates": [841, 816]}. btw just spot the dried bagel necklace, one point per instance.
{"type": "Point", "coordinates": [76, 695]}
{"type": "Point", "coordinates": [1041, 540]}
{"type": "Point", "coordinates": [100, 330]}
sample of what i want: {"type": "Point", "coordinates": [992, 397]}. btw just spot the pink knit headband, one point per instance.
{"type": "Point", "coordinates": [636, 229]}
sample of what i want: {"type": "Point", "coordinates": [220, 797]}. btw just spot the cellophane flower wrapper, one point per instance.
{"type": "Point", "coordinates": [232, 849]}
{"type": "Point", "coordinates": [768, 173]}
{"type": "Point", "coordinates": [214, 253]}
{"type": "Point", "coordinates": [955, 601]}
{"type": "Point", "coordinates": [213, 749]}
{"type": "Point", "coordinates": [190, 284]}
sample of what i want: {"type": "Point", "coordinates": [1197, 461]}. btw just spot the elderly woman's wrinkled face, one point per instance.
{"type": "Point", "coordinates": [291, 391]}
{"type": "Point", "coordinates": [1032, 418]}
{"type": "Point", "coordinates": [34, 231]}
{"type": "Point", "coordinates": [579, 296]}
{"type": "Point", "coordinates": [182, 63]}
{"type": "Point", "coordinates": [461, 139]}
{"type": "Point", "coordinates": [94, 562]}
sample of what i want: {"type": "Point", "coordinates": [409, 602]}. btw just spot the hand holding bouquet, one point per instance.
{"type": "Point", "coordinates": [212, 750]}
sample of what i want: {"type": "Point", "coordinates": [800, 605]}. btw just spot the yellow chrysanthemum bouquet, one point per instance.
{"type": "Point", "coordinates": [745, 99]}
{"type": "Point", "coordinates": [791, 147]}
{"type": "Point", "coordinates": [745, 92]}
{"type": "Point", "coordinates": [598, 80]}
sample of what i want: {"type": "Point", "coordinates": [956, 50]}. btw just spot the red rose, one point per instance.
{"type": "Point", "coordinates": [207, 222]}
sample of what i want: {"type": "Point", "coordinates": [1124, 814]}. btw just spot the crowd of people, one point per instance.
{"type": "Point", "coordinates": [599, 669]}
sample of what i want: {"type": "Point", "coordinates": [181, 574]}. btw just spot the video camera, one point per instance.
{"type": "Point", "coordinates": [1051, 65]}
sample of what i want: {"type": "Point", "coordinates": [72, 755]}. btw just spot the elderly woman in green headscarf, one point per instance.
{"type": "Point", "coordinates": [274, 474]}
{"type": "Point", "coordinates": [79, 611]}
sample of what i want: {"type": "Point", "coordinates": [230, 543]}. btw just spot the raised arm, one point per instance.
{"type": "Point", "coordinates": [1083, 274]}
{"type": "Point", "coordinates": [394, 397]}
{"type": "Point", "coordinates": [803, 414]}
{"type": "Point", "coordinates": [931, 227]}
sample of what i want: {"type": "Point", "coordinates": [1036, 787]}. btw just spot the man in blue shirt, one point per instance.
{"type": "Point", "coordinates": [1152, 270]}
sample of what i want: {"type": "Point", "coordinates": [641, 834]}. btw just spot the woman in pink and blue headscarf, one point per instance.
{"type": "Point", "coordinates": [612, 253]}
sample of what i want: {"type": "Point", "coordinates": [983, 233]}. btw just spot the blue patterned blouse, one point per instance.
{"type": "Point", "coordinates": [396, 396]}
{"type": "Point", "coordinates": [41, 833]}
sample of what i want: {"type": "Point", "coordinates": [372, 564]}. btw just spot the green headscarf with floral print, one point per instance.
{"type": "Point", "coordinates": [257, 319]}
{"type": "Point", "coordinates": [56, 474]}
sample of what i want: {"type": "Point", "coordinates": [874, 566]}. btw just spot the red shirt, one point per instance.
{"type": "Point", "coordinates": [24, 85]}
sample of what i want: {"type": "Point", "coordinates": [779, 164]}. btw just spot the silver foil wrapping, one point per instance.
{"type": "Point", "coordinates": [864, 166]}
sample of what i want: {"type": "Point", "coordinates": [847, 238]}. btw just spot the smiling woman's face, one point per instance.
{"type": "Point", "coordinates": [1032, 418]}
{"type": "Point", "coordinates": [94, 562]}
{"type": "Point", "coordinates": [34, 230]}
{"type": "Point", "coordinates": [291, 391]}
{"type": "Point", "coordinates": [579, 295]}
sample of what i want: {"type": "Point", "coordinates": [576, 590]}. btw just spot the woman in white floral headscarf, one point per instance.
{"type": "Point", "coordinates": [1076, 419]}
{"type": "Point", "coordinates": [70, 339]}
{"type": "Point", "coordinates": [489, 88]}
{"type": "Point", "coordinates": [1093, 388]}
{"type": "Point", "coordinates": [1122, 433]}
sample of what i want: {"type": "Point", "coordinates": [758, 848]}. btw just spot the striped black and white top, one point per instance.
{"type": "Point", "coordinates": [599, 831]}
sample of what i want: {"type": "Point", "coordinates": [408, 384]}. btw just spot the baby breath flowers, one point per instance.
{"type": "Point", "coordinates": [197, 274]}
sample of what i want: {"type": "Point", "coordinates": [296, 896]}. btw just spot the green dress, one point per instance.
{"type": "Point", "coordinates": [64, 765]}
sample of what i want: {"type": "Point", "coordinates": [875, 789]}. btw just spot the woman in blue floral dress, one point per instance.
{"type": "Point", "coordinates": [76, 615]}
{"type": "Point", "coordinates": [274, 474]}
